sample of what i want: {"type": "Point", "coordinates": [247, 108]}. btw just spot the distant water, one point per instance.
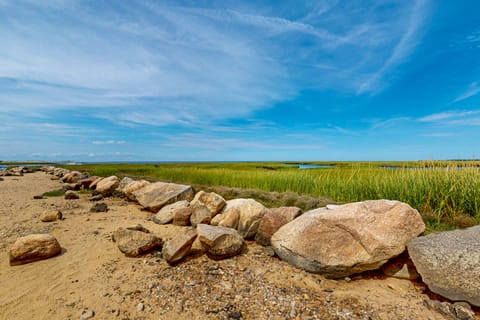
{"type": "Point", "coordinates": [314, 166]}
{"type": "Point", "coordinates": [3, 167]}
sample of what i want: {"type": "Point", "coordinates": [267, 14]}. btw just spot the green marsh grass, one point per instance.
{"type": "Point", "coordinates": [446, 193]}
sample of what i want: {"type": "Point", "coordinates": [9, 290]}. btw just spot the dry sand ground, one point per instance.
{"type": "Point", "coordinates": [92, 274]}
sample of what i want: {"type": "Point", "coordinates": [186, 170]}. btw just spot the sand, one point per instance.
{"type": "Point", "coordinates": [91, 274]}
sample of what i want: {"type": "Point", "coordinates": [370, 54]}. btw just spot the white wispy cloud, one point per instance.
{"type": "Point", "coordinates": [108, 142]}
{"type": "Point", "coordinates": [472, 90]}
{"type": "Point", "coordinates": [453, 118]}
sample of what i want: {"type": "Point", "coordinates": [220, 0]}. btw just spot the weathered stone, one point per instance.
{"type": "Point", "coordinates": [251, 213]}
{"type": "Point", "coordinates": [86, 182]}
{"type": "Point", "coordinates": [220, 242]}
{"type": "Point", "coordinates": [449, 263]}
{"type": "Point", "coordinates": [96, 197]}
{"type": "Point", "coordinates": [106, 186]}
{"type": "Point", "coordinates": [124, 182]}
{"type": "Point", "coordinates": [454, 311]}
{"type": "Point", "coordinates": [167, 213]}
{"type": "Point", "coordinates": [32, 248]}
{"type": "Point", "coordinates": [200, 214]}
{"type": "Point", "coordinates": [211, 200]}
{"type": "Point", "coordinates": [182, 216]}
{"type": "Point", "coordinates": [401, 267]}
{"type": "Point", "coordinates": [130, 188]}
{"type": "Point", "coordinates": [341, 240]}
{"type": "Point", "coordinates": [71, 195]}
{"type": "Point", "coordinates": [71, 186]}
{"type": "Point", "coordinates": [71, 177]}
{"type": "Point", "coordinates": [229, 219]}
{"type": "Point", "coordinates": [49, 216]}
{"type": "Point", "coordinates": [156, 195]}
{"type": "Point", "coordinates": [273, 220]}
{"type": "Point", "coordinates": [94, 184]}
{"type": "Point", "coordinates": [99, 207]}
{"type": "Point", "coordinates": [134, 243]}
{"type": "Point", "coordinates": [177, 248]}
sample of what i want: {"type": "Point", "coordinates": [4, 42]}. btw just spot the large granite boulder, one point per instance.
{"type": "Point", "coordinates": [177, 248]}
{"type": "Point", "coordinates": [211, 200]}
{"type": "Point", "coordinates": [32, 248]}
{"type": "Point", "coordinates": [449, 263]}
{"type": "Point", "coordinates": [273, 220]}
{"type": "Point", "coordinates": [341, 240]}
{"type": "Point", "coordinates": [220, 242]}
{"type": "Point", "coordinates": [133, 186]}
{"type": "Point", "coordinates": [135, 241]}
{"type": "Point", "coordinates": [156, 195]}
{"type": "Point", "coordinates": [86, 182]}
{"type": "Point", "coordinates": [107, 186]}
{"type": "Point", "coordinates": [250, 213]}
{"type": "Point", "coordinates": [167, 213]}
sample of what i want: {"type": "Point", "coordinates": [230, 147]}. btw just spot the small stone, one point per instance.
{"type": "Point", "coordinates": [235, 315]}
{"type": "Point", "coordinates": [71, 195]}
{"type": "Point", "coordinates": [37, 197]}
{"type": "Point", "coordinates": [49, 216]}
{"type": "Point", "coordinates": [99, 207]}
{"type": "Point", "coordinates": [87, 315]}
{"type": "Point", "coordinates": [96, 197]}
{"type": "Point", "coordinates": [140, 306]}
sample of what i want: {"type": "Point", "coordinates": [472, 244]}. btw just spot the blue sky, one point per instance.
{"type": "Point", "coordinates": [239, 80]}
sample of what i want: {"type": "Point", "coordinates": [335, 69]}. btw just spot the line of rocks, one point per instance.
{"type": "Point", "coordinates": [335, 241]}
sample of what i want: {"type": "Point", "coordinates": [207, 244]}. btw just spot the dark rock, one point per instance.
{"type": "Point", "coordinates": [99, 207]}
{"type": "Point", "coordinates": [96, 197]}
{"type": "Point", "coordinates": [38, 197]}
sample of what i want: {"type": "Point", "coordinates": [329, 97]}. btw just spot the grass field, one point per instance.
{"type": "Point", "coordinates": [446, 193]}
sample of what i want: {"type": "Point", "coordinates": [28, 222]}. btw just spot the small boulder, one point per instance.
{"type": "Point", "coordinates": [71, 195]}
{"type": "Point", "coordinates": [99, 207]}
{"type": "Point", "coordinates": [273, 220]}
{"type": "Point", "coordinates": [32, 248]}
{"type": "Point", "coordinates": [200, 214]}
{"type": "Point", "coordinates": [341, 240]}
{"type": "Point", "coordinates": [106, 186]}
{"type": "Point", "coordinates": [136, 242]}
{"type": "Point", "coordinates": [182, 216]}
{"type": "Point", "coordinates": [449, 263]}
{"type": "Point", "coordinates": [71, 177]}
{"type": "Point", "coordinates": [167, 213]}
{"type": "Point", "coordinates": [211, 200]}
{"type": "Point", "coordinates": [49, 216]}
{"type": "Point", "coordinates": [220, 242]}
{"type": "Point", "coordinates": [175, 249]}
{"type": "Point", "coordinates": [96, 197]}
{"type": "Point", "coordinates": [86, 182]}
{"type": "Point", "coordinates": [251, 213]}
{"type": "Point", "coordinates": [94, 184]}
{"type": "Point", "coordinates": [156, 195]}
{"type": "Point", "coordinates": [130, 188]}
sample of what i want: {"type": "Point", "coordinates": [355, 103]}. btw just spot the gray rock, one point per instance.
{"type": "Point", "coordinates": [124, 182]}
{"type": "Point", "coordinates": [130, 188]}
{"type": "Point", "coordinates": [96, 197]}
{"type": "Point", "coordinates": [32, 248]}
{"type": "Point", "coordinates": [156, 195]}
{"type": "Point", "coordinates": [167, 213]}
{"type": "Point", "coordinates": [71, 195]}
{"type": "Point", "coordinates": [220, 242]}
{"type": "Point", "coordinates": [99, 207]}
{"type": "Point", "coordinates": [136, 242]}
{"type": "Point", "coordinates": [140, 306]}
{"type": "Point", "coordinates": [341, 240]}
{"type": "Point", "coordinates": [273, 220]}
{"type": "Point", "coordinates": [449, 263]}
{"type": "Point", "coordinates": [177, 248]}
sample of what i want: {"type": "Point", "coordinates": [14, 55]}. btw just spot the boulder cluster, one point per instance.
{"type": "Point", "coordinates": [336, 241]}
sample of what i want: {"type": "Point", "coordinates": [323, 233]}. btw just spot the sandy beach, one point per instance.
{"type": "Point", "coordinates": [91, 274]}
